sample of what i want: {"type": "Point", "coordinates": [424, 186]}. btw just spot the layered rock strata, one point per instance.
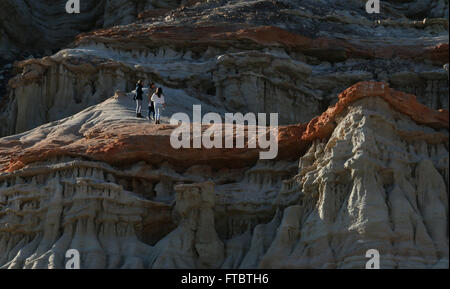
{"type": "Point", "coordinates": [247, 56]}
{"type": "Point", "coordinates": [375, 176]}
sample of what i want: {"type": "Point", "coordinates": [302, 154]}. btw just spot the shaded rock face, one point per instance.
{"type": "Point", "coordinates": [117, 210]}
{"type": "Point", "coordinates": [348, 193]}
{"type": "Point", "coordinates": [420, 9]}
{"type": "Point", "coordinates": [124, 218]}
{"type": "Point", "coordinates": [41, 27]}
{"type": "Point", "coordinates": [288, 57]}
{"type": "Point", "coordinates": [195, 243]}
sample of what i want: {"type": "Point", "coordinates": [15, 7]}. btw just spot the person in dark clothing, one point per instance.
{"type": "Point", "coordinates": [139, 97]}
{"type": "Point", "coordinates": [151, 106]}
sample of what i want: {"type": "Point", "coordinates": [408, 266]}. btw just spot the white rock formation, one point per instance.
{"type": "Point", "coordinates": [379, 182]}
{"type": "Point", "coordinates": [381, 179]}
{"type": "Point", "coordinates": [194, 243]}
{"type": "Point", "coordinates": [239, 75]}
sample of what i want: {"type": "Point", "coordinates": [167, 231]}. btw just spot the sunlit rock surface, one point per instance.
{"type": "Point", "coordinates": [288, 57]}
{"type": "Point", "coordinates": [378, 179]}
{"type": "Point", "coordinates": [362, 143]}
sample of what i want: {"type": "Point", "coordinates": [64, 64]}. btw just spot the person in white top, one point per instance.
{"type": "Point", "coordinates": [159, 103]}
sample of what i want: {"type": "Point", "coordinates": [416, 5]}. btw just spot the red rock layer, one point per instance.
{"type": "Point", "coordinates": [132, 141]}
{"type": "Point", "coordinates": [323, 125]}
{"type": "Point", "coordinates": [322, 47]}
{"type": "Point", "coordinates": [121, 144]}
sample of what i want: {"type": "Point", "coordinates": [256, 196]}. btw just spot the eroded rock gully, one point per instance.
{"type": "Point", "coordinates": [377, 179]}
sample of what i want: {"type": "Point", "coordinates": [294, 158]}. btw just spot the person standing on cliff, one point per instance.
{"type": "Point", "coordinates": [151, 107]}
{"type": "Point", "coordinates": [159, 103]}
{"type": "Point", "coordinates": [139, 97]}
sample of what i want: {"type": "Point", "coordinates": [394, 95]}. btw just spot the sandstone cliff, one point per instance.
{"type": "Point", "coordinates": [365, 170]}
{"type": "Point", "coordinates": [369, 173]}
{"type": "Point", "coordinates": [248, 56]}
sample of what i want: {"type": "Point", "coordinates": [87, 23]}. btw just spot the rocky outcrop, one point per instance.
{"type": "Point", "coordinates": [353, 183]}
{"type": "Point", "coordinates": [109, 132]}
{"type": "Point", "coordinates": [251, 56]}
{"type": "Point", "coordinates": [349, 192]}
{"type": "Point", "coordinates": [366, 170]}
{"type": "Point", "coordinates": [322, 126]}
